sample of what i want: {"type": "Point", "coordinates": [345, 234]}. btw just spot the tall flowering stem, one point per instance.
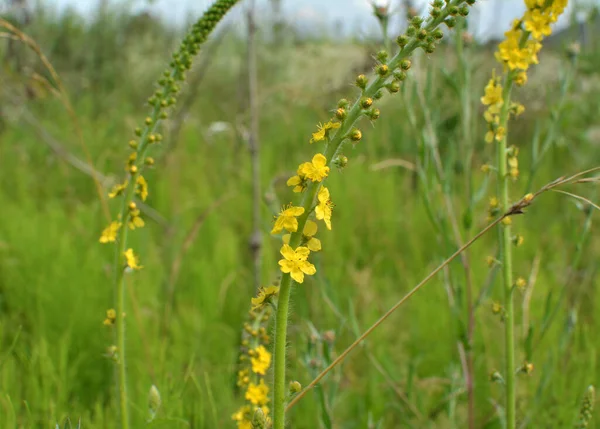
{"type": "Point", "coordinates": [516, 54]}
{"type": "Point", "coordinates": [135, 184]}
{"type": "Point", "coordinates": [389, 73]}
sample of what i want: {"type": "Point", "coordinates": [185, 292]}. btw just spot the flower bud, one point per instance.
{"type": "Point", "coordinates": [402, 41]}
{"type": "Point", "coordinates": [154, 401]}
{"type": "Point", "coordinates": [343, 103]}
{"type": "Point", "coordinates": [438, 34]}
{"type": "Point", "coordinates": [496, 377]}
{"type": "Point", "coordinates": [366, 102]}
{"type": "Point", "coordinates": [405, 65]}
{"type": "Point", "coordinates": [416, 21]}
{"type": "Point", "coordinates": [148, 120]}
{"type": "Point", "coordinates": [355, 135]}
{"type": "Point", "coordinates": [399, 75]}
{"type": "Point", "coordinates": [422, 34]}
{"type": "Point", "coordinates": [133, 144]}
{"type": "Point", "coordinates": [378, 94]}
{"type": "Point", "coordinates": [138, 131]}
{"type": "Point", "coordinates": [435, 12]}
{"type": "Point", "coordinates": [340, 161]}
{"type": "Point", "coordinates": [382, 56]}
{"type": "Point", "coordinates": [373, 113]}
{"type": "Point", "coordinates": [450, 22]}
{"type": "Point", "coordinates": [382, 70]}
{"type": "Point", "coordinates": [430, 48]}
{"type": "Point", "coordinates": [464, 10]}
{"type": "Point", "coordinates": [393, 87]}
{"type": "Point", "coordinates": [341, 113]}
{"type": "Point", "coordinates": [361, 81]}
{"type": "Point", "coordinates": [295, 387]}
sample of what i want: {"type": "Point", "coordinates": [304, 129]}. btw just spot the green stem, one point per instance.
{"type": "Point", "coordinates": [506, 258]}
{"type": "Point", "coordinates": [280, 344]}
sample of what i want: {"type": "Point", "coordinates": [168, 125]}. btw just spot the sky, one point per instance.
{"type": "Point", "coordinates": [489, 18]}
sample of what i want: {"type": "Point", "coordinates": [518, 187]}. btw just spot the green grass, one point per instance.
{"type": "Point", "coordinates": [55, 278]}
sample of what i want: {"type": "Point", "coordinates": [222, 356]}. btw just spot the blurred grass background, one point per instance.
{"type": "Point", "coordinates": [55, 278]}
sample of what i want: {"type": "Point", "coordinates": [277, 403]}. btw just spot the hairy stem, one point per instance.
{"type": "Point", "coordinates": [504, 242]}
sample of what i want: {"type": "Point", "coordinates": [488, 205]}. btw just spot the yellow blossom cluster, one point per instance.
{"type": "Point", "coordinates": [517, 53]}
{"type": "Point", "coordinates": [523, 41]}
{"type": "Point", "coordinates": [255, 360]}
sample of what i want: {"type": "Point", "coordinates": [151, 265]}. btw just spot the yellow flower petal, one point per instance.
{"type": "Point", "coordinates": [310, 228]}
{"type": "Point", "coordinates": [314, 244]}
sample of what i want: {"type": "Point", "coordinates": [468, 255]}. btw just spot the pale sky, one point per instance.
{"type": "Point", "coordinates": [488, 17]}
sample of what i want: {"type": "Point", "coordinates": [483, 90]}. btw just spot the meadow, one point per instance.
{"type": "Point", "coordinates": [411, 185]}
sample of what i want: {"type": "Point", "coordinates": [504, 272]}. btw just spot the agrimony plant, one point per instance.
{"type": "Point", "coordinates": [335, 133]}
{"type": "Point", "coordinates": [134, 185]}
{"type": "Point", "coordinates": [516, 54]}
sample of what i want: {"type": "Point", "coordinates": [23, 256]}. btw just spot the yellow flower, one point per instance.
{"type": "Point", "coordinates": [117, 190]}
{"type": "Point", "coordinates": [557, 8]}
{"type": "Point", "coordinates": [532, 4]}
{"type": "Point", "coordinates": [132, 260]}
{"type": "Point", "coordinates": [323, 131]}
{"type": "Point", "coordinates": [521, 78]}
{"type": "Point", "coordinates": [243, 416]}
{"type": "Point", "coordinates": [316, 170]}
{"type": "Point", "coordinates": [135, 221]}
{"type": "Point", "coordinates": [310, 229]}
{"type": "Point", "coordinates": [111, 317]}
{"type": "Point", "coordinates": [537, 23]}
{"type": "Point", "coordinates": [142, 187]}
{"type": "Point", "coordinates": [493, 94]}
{"type": "Point", "coordinates": [257, 394]}
{"type": "Point", "coordinates": [511, 53]}
{"type": "Point", "coordinates": [265, 295]}
{"type": "Point", "coordinates": [298, 182]}
{"type": "Point", "coordinates": [287, 219]}
{"type": "Point", "coordinates": [500, 133]}
{"type": "Point", "coordinates": [325, 207]}
{"type": "Point", "coordinates": [261, 360]}
{"type": "Point", "coordinates": [110, 232]}
{"type": "Point", "coordinates": [295, 262]}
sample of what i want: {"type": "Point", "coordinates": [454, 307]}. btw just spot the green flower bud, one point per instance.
{"type": "Point", "coordinates": [405, 65]}
{"type": "Point", "coordinates": [355, 135]}
{"type": "Point", "coordinates": [393, 87]}
{"type": "Point", "coordinates": [295, 387]}
{"type": "Point", "coordinates": [402, 41]}
{"type": "Point", "coordinates": [399, 75]}
{"type": "Point", "coordinates": [366, 102]}
{"type": "Point", "coordinates": [343, 103]}
{"type": "Point", "coordinates": [382, 56]}
{"type": "Point", "coordinates": [382, 70]}
{"type": "Point", "coordinates": [361, 81]}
